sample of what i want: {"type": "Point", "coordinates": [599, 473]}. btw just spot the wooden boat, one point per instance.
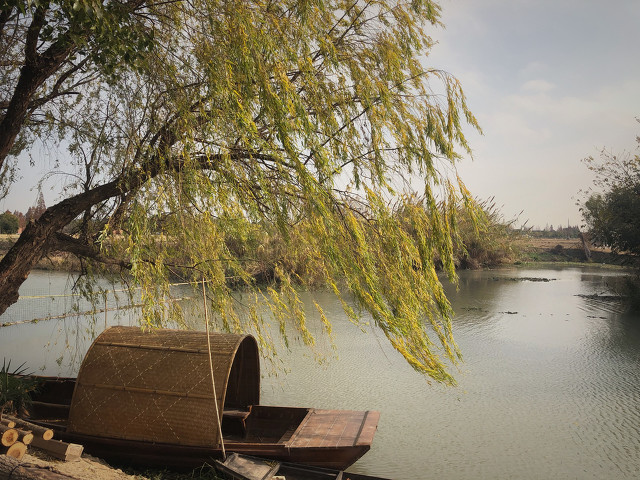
{"type": "Point", "coordinates": [148, 398]}
{"type": "Point", "coordinates": [245, 467]}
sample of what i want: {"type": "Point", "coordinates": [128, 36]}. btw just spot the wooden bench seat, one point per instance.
{"type": "Point", "coordinates": [234, 421]}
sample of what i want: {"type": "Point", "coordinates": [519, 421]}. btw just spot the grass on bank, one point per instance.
{"type": "Point", "coordinates": [205, 472]}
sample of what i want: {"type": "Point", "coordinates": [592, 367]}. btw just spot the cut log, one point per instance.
{"type": "Point", "coordinates": [37, 430]}
{"type": "Point", "coordinates": [7, 422]}
{"type": "Point", "coordinates": [69, 452]}
{"type": "Point", "coordinates": [8, 436]}
{"type": "Point", "coordinates": [25, 436]}
{"type": "Point", "coordinates": [12, 469]}
{"type": "Point", "coordinates": [17, 450]}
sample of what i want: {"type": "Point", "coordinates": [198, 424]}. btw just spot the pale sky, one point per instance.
{"type": "Point", "coordinates": [550, 81]}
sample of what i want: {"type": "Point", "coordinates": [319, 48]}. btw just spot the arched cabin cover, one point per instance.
{"type": "Point", "coordinates": [155, 386]}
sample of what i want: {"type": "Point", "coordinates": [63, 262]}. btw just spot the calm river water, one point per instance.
{"type": "Point", "coordinates": [549, 386]}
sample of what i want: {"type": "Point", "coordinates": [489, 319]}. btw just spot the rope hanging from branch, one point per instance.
{"type": "Point", "coordinates": [213, 382]}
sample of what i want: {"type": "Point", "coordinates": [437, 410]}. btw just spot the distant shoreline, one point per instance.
{"type": "Point", "coordinates": [570, 250]}
{"type": "Point", "coordinates": [530, 251]}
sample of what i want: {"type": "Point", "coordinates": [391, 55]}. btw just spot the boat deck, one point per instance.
{"type": "Point", "coordinates": [335, 429]}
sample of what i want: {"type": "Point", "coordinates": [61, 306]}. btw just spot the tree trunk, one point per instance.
{"type": "Point", "coordinates": [18, 262]}
{"type": "Point", "coordinates": [32, 76]}
{"type": "Point", "coordinates": [12, 469]}
{"type": "Point", "coordinates": [37, 69]}
{"type": "Point", "coordinates": [39, 238]}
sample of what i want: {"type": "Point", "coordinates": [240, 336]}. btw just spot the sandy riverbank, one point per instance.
{"type": "Point", "coordinates": [87, 467]}
{"type": "Point", "coordinates": [92, 468]}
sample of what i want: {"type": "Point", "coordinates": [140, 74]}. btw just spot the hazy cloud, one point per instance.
{"type": "Point", "coordinates": [551, 83]}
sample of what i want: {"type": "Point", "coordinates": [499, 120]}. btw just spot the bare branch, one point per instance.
{"type": "Point", "coordinates": [61, 242]}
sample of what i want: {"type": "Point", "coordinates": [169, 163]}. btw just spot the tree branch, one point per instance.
{"type": "Point", "coordinates": [31, 43]}
{"type": "Point", "coordinates": [43, 235]}
{"type": "Point", "coordinates": [61, 242]}
{"type": "Point", "coordinates": [5, 14]}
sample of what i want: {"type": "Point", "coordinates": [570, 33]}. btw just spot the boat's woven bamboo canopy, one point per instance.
{"type": "Point", "coordinates": [156, 386]}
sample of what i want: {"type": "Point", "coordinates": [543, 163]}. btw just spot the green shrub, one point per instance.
{"type": "Point", "coordinates": [15, 388]}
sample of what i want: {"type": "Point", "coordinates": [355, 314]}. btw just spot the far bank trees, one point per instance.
{"type": "Point", "coordinates": [188, 123]}
{"type": "Point", "coordinates": [9, 223]}
{"type": "Point", "coordinates": [612, 213]}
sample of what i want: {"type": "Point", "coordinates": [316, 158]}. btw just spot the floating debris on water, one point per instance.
{"type": "Point", "coordinates": [524, 279]}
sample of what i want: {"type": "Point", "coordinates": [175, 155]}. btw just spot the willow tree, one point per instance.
{"type": "Point", "coordinates": [316, 122]}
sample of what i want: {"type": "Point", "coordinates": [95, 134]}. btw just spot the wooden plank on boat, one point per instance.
{"type": "Point", "coordinates": [368, 429]}
{"type": "Point", "coordinates": [305, 472]}
{"type": "Point", "coordinates": [49, 410]}
{"type": "Point", "coordinates": [248, 468]}
{"type": "Point", "coordinates": [69, 452]}
{"type": "Point", "coordinates": [331, 429]}
{"type": "Point", "coordinates": [236, 413]}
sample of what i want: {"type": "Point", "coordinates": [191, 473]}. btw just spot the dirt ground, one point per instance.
{"type": "Point", "coordinates": [549, 243]}
{"type": "Point", "coordinates": [92, 468]}
{"type": "Point", "coordinates": [87, 467]}
{"type": "Point", "coordinates": [543, 244]}
{"type": "Point", "coordinates": [570, 250]}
